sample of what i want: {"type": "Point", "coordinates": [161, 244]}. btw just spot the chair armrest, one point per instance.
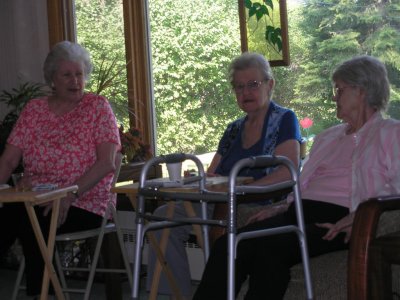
{"type": "Point", "coordinates": [364, 230]}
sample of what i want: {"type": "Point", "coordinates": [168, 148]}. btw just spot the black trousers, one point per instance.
{"type": "Point", "coordinates": [267, 260]}
{"type": "Point", "coordinates": [14, 223]}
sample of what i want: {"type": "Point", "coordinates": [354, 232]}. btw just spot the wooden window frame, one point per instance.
{"type": "Point", "coordinates": [285, 61]}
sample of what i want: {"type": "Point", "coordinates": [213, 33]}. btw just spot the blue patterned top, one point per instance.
{"type": "Point", "coordinates": [280, 125]}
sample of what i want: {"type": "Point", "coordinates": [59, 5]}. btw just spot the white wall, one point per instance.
{"type": "Point", "coordinates": [23, 43]}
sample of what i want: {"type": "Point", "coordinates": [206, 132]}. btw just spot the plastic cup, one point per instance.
{"type": "Point", "coordinates": [21, 183]}
{"type": "Point", "coordinates": [175, 171]}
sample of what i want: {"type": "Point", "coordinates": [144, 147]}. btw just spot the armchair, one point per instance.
{"type": "Point", "coordinates": [352, 274]}
{"type": "Point", "coordinates": [370, 269]}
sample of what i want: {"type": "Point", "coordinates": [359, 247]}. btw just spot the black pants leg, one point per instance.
{"type": "Point", "coordinates": [8, 225]}
{"type": "Point", "coordinates": [267, 260]}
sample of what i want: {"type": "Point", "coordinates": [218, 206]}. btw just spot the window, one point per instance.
{"type": "Point", "coordinates": [321, 34]}
{"type": "Point", "coordinates": [192, 43]}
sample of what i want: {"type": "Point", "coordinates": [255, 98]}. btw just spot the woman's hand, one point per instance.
{"type": "Point", "coordinates": [208, 174]}
{"type": "Point", "coordinates": [65, 204]}
{"type": "Point", "coordinates": [343, 225]}
{"type": "Point", "coordinates": [260, 215]}
{"type": "Point", "coordinates": [268, 212]}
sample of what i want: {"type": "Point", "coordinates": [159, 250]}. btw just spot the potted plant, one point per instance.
{"type": "Point", "coordinates": [16, 99]}
{"type": "Point", "coordinates": [133, 147]}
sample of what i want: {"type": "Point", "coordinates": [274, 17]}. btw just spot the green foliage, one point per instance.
{"type": "Point", "coordinates": [19, 96]}
{"type": "Point", "coordinates": [263, 27]}
{"type": "Point", "coordinates": [333, 31]}
{"type": "Point", "coordinates": [100, 29]}
{"type": "Point", "coordinates": [261, 11]}
{"type": "Point", "coordinates": [193, 42]}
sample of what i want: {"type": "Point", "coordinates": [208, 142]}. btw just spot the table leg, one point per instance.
{"type": "Point", "coordinates": [170, 277]}
{"type": "Point", "coordinates": [47, 251]}
{"type": "Point", "coordinates": [50, 245]}
{"type": "Point", "coordinates": [161, 262]}
{"type": "Point", "coordinates": [196, 227]}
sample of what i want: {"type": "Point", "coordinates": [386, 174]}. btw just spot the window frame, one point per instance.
{"type": "Point", "coordinates": [285, 61]}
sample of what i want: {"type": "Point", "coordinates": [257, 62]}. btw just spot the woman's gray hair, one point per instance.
{"type": "Point", "coordinates": [66, 51]}
{"type": "Point", "coordinates": [368, 73]}
{"type": "Point", "coordinates": [250, 60]}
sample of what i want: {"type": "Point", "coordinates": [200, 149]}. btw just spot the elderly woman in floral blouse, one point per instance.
{"type": "Point", "coordinates": [70, 137]}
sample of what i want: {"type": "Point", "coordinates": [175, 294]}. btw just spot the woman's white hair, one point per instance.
{"type": "Point", "coordinates": [368, 73]}
{"type": "Point", "coordinates": [66, 51]}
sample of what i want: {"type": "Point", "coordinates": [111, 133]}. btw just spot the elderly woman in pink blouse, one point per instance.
{"type": "Point", "coordinates": [348, 163]}
{"type": "Point", "coordinates": [70, 137]}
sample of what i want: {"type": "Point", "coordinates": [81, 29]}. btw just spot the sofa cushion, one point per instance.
{"type": "Point", "coordinates": [328, 275]}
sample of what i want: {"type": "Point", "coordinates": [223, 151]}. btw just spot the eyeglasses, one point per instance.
{"type": "Point", "coordinates": [338, 91]}
{"type": "Point", "coordinates": [252, 86]}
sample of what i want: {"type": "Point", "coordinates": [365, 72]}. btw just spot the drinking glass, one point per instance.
{"type": "Point", "coordinates": [21, 181]}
